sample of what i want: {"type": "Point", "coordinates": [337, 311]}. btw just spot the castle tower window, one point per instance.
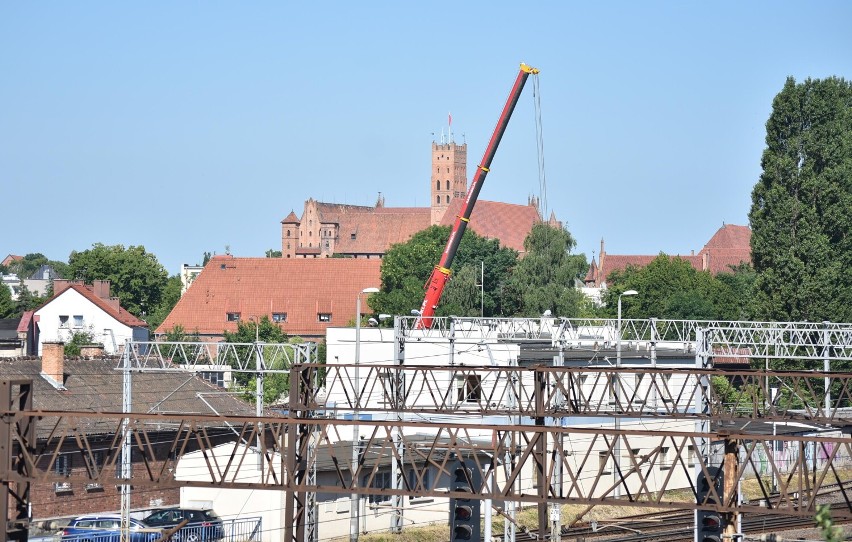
{"type": "Point", "coordinates": [437, 199]}
{"type": "Point", "coordinates": [437, 185]}
{"type": "Point", "coordinates": [448, 199]}
{"type": "Point", "coordinates": [448, 185]}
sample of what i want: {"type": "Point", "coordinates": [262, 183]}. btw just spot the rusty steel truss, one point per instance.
{"type": "Point", "coordinates": [549, 425]}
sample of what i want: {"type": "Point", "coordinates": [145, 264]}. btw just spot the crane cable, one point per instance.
{"type": "Point", "coordinates": [542, 180]}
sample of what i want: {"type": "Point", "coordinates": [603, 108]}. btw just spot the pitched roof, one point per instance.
{"type": "Point", "coordinates": [301, 288]}
{"type": "Point", "coordinates": [11, 258]}
{"type": "Point", "coordinates": [373, 232]}
{"type": "Point", "coordinates": [508, 222]}
{"type": "Point", "coordinates": [96, 386]}
{"type": "Point", "coordinates": [729, 246]}
{"type": "Point", "coordinates": [290, 219]}
{"type": "Point", "coordinates": [113, 309]}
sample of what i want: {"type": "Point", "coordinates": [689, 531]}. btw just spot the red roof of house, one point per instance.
{"type": "Point", "coordinates": [11, 258]}
{"type": "Point", "coordinates": [508, 222]}
{"type": "Point", "coordinates": [24, 323]}
{"type": "Point", "coordinates": [257, 287]}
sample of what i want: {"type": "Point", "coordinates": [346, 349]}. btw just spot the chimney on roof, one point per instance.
{"type": "Point", "coordinates": [53, 361]}
{"type": "Point", "coordinates": [60, 285]}
{"type": "Point", "coordinates": [101, 288]}
{"type": "Point", "coordinates": [705, 261]}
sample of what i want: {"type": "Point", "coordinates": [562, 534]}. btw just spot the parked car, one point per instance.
{"type": "Point", "coordinates": [203, 526]}
{"type": "Point", "coordinates": [106, 528]}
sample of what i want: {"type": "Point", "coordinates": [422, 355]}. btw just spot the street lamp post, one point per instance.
{"type": "Point", "coordinates": [354, 499]}
{"type": "Point", "coordinates": [616, 471]}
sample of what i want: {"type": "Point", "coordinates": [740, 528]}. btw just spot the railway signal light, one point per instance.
{"type": "Point", "coordinates": [708, 492]}
{"type": "Point", "coordinates": [464, 511]}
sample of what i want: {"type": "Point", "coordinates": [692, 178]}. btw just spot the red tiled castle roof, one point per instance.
{"type": "Point", "coordinates": [508, 222]}
{"type": "Point", "coordinates": [729, 246]}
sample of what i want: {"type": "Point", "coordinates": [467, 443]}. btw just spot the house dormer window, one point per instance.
{"type": "Point", "coordinates": [279, 317]}
{"type": "Point", "coordinates": [324, 317]}
{"type": "Point", "coordinates": [233, 317]}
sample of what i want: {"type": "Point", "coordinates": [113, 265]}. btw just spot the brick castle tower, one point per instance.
{"type": "Point", "coordinates": [449, 176]}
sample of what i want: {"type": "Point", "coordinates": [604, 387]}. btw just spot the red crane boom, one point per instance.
{"type": "Point", "coordinates": [441, 274]}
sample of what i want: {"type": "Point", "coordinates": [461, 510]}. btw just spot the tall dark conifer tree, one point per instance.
{"type": "Point", "coordinates": [801, 213]}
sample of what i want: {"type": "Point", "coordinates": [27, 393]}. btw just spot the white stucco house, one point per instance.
{"type": "Point", "coordinates": [77, 307]}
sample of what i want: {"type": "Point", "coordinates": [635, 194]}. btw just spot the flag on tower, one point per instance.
{"type": "Point", "coordinates": [450, 116]}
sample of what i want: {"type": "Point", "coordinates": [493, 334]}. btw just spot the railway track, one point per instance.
{"type": "Point", "coordinates": [672, 527]}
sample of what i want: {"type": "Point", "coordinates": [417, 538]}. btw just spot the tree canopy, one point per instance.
{"type": "Point", "coordinates": [801, 212]}
{"type": "Point", "coordinates": [407, 266]}
{"type": "Point", "coordinates": [265, 331]}
{"type": "Point", "coordinates": [669, 287]}
{"type": "Point", "coordinates": [30, 263]}
{"type": "Point", "coordinates": [137, 279]}
{"type": "Point", "coordinates": [544, 278]}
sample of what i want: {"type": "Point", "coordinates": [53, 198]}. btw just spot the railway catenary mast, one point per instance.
{"type": "Point", "coordinates": [441, 273]}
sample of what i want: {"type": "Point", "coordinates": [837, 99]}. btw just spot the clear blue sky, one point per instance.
{"type": "Point", "coordinates": [189, 126]}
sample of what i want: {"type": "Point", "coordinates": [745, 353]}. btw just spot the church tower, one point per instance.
{"type": "Point", "coordinates": [449, 176]}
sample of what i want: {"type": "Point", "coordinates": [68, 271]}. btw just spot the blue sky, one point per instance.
{"type": "Point", "coordinates": [191, 126]}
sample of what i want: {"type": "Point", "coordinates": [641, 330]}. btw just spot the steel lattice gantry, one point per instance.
{"type": "Point", "coordinates": [548, 420]}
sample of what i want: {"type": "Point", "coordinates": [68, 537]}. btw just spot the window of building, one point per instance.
{"type": "Point", "coordinates": [279, 316]}
{"type": "Point", "coordinates": [63, 320]}
{"type": "Point", "coordinates": [469, 388]}
{"type": "Point", "coordinates": [381, 480]}
{"type": "Point", "coordinates": [448, 199]}
{"type": "Point", "coordinates": [214, 377]}
{"type": "Point", "coordinates": [437, 185]}
{"type": "Point", "coordinates": [78, 320]}
{"type": "Point", "coordinates": [288, 233]}
{"type": "Point", "coordinates": [233, 317]}
{"type": "Point", "coordinates": [603, 462]}
{"type": "Point", "coordinates": [437, 199]}
{"type": "Point", "coordinates": [420, 485]}
{"type": "Point", "coordinates": [665, 458]}
{"type": "Point", "coordinates": [324, 317]}
{"type": "Point", "coordinates": [448, 182]}
{"type": "Point", "coordinates": [62, 467]}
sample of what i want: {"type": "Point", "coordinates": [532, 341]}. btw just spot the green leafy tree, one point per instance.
{"type": "Point", "coordinates": [830, 531]}
{"type": "Point", "coordinates": [544, 279]}
{"type": "Point", "coordinates": [78, 339]}
{"type": "Point", "coordinates": [671, 288]}
{"type": "Point", "coordinates": [168, 299]}
{"type": "Point", "coordinates": [27, 300]}
{"type": "Point", "coordinates": [136, 277]}
{"type": "Point", "coordinates": [407, 266]}
{"type": "Point", "coordinates": [177, 334]}
{"type": "Point", "coordinates": [801, 212]}
{"type": "Point", "coordinates": [7, 306]}
{"type": "Point", "coordinates": [266, 331]}
{"type": "Point", "coordinates": [273, 253]}
{"type": "Point", "coordinates": [30, 263]}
